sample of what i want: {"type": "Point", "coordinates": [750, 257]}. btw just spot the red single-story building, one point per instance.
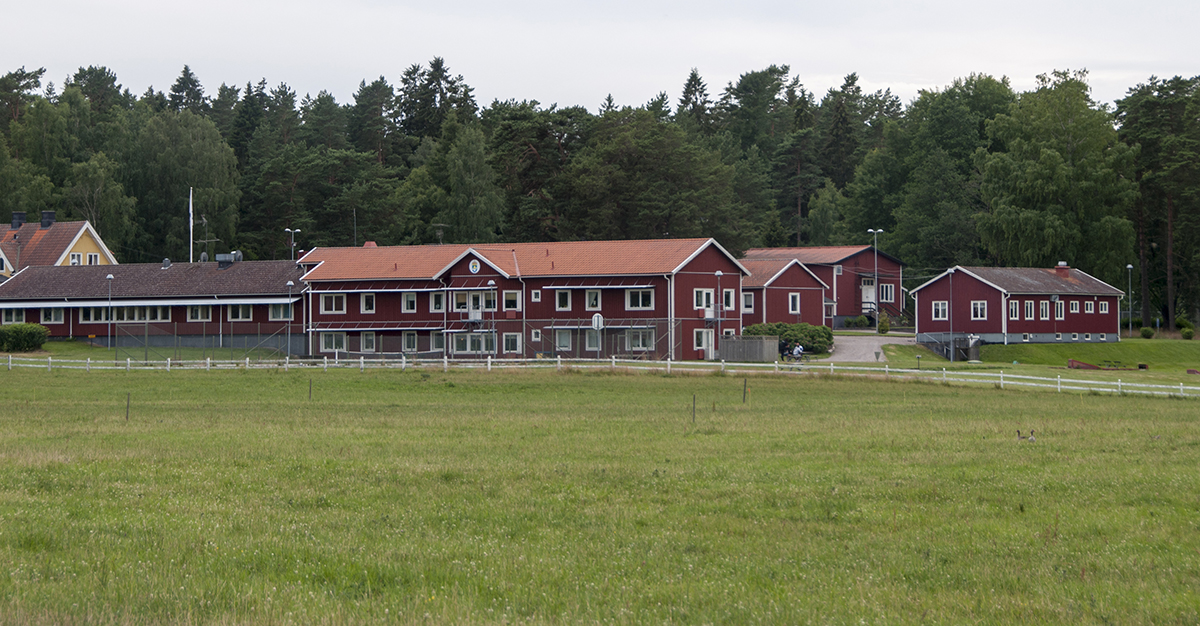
{"type": "Point", "coordinates": [1017, 304]}
{"type": "Point", "coordinates": [850, 273]}
{"type": "Point", "coordinates": [782, 290]}
{"type": "Point", "coordinates": [669, 298]}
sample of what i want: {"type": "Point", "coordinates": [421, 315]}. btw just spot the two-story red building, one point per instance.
{"type": "Point", "coordinates": [850, 272]}
{"type": "Point", "coordinates": [671, 298]}
{"type": "Point", "coordinates": [782, 290]}
{"type": "Point", "coordinates": [1017, 304]}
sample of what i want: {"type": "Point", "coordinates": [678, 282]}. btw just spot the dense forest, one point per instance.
{"type": "Point", "coordinates": [972, 173]}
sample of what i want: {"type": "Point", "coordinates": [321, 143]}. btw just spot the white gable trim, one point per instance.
{"type": "Point", "coordinates": [701, 248]}
{"type": "Point", "coordinates": [87, 227]}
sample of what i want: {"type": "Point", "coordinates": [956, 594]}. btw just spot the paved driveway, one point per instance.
{"type": "Point", "coordinates": [862, 348]}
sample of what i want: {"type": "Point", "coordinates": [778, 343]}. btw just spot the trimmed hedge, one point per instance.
{"type": "Point", "coordinates": [1147, 332]}
{"type": "Point", "coordinates": [1187, 333]}
{"type": "Point", "coordinates": [815, 339]}
{"type": "Point", "coordinates": [23, 337]}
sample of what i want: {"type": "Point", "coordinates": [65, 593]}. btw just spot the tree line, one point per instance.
{"type": "Point", "coordinates": [971, 173]}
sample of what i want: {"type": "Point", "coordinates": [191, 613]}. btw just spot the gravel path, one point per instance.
{"type": "Point", "coordinates": [858, 349]}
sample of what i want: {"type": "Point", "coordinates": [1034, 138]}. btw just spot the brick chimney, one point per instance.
{"type": "Point", "coordinates": [47, 219]}
{"type": "Point", "coordinates": [1063, 270]}
{"type": "Point", "coordinates": [18, 218]}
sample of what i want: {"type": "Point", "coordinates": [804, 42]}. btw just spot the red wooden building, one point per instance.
{"type": "Point", "coordinates": [782, 290]}
{"type": "Point", "coordinates": [850, 273]}
{"type": "Point", "coordinates": [591, 299]}
{"type": "Point", "coordinates": [1017, 304]}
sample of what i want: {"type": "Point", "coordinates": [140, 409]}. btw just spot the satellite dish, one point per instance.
{"type": "Point", "coordinates": [204, 257]}
{"type": "Point", "coordinates": [237, 255]}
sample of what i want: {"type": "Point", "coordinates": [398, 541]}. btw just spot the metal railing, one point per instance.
{"type": "Point", "coordinates": [445, 363]}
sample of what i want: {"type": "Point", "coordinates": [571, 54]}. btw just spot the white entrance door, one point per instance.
{"type": "Point", "coordinates": [703, 339]}
{"type": "Point", "coordinates": [868, 294]}
{"type": "Point", "coordinates": [476, 306]}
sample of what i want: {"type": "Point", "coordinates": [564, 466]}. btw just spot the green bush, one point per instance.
{"type": "Point", "coordinates": [23, 337]}
{"type": "Point", "coordinates": [815, 339]}
{"type": "Point", "coordinates": [1187, 333]}
{"type": "Point", "coordinates": [857, 322]}
{"type": "Point", "coordinates": [884, 325]}
{"type": "Point", "coordinates": [1147, 332]}
{"type": "Point", "coordinates": [1183, 322]}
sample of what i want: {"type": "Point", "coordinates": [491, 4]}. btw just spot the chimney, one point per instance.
{"type": "Point", "coordinates": [47, 219]}
{"type": "Point", "coordinates": [18, 219]}
{"type": "Point", "coordinates": [370, 244]}
{"type": "Point", "coordinates": [1063, 270]}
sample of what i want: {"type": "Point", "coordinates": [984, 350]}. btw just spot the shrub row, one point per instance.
{"type": "Point", "coordinates": [22, 337]}
{"type": "Point", "coordinates": [815, 339]}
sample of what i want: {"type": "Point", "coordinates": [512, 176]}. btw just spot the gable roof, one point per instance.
{"type": "Point", "coordinates": [46, 246]}
{"type": "Point", "coordinates": [151, 281]}
{"type": "Point", "coordinates": [763, 272]}
{"type": "Point", "coordinates": [525, 260]}
{"type": "Point", "coordinates": [814, 255]}
{"type": "Point", "coordinates": [1035, 280]}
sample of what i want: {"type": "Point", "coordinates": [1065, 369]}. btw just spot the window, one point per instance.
{"type": "Point", "coordinates": [437, 341]}
{"type": "Point", "coordinates": [366, 303]}
{"type": "Point", "coordinates": [1074, 336]}
{"type": "Point", "coordinates": [701, 338]}
{"type": "Point", "coordinates": [562, 300]}
{"type": "Point", "coordinates": [639, 340]}
{"type": "Point", "coordinates": [535, 336]}
{"type": "Point", "coordinates": [702, 299]}
{"type": "Point", "coordinates": [200, 313]}
{"type": "Point", "coordinates": [333, 342]}
{"type": "Point", "coordinates": [1074, 306]}
{"type": "Point", "coordinates": [437, 302]}
{"type": "Point", "coordinates": [1104, 307]}
{"type": "Point", "coordinates": [591, 300]}
{"type": "Point", "coordinates": [1044, 309]}
{"type": "Point", "coordinates": [1103, 336]}
{"type": "Point", "coordinates": [489, 301]}
{"type": "Point", "coordinates": [512, 342]}
{"type": "Point", "coordinates": [279, 312]}
{"type": "Point", "coordinates": [460, 301]}
{"type": "Point", "coordinates": [562, 340]}
{"type": "Point", "coordinates": [512, 301]}
{"type": "Point", "coordinates": [95, 314]}
{"type": "Point", "coordinates": [1058, 336]}
{"type": "Point", "coordinates": [591, 340]}
{"type": "Point", "coordinates": [1089, 307]}
{"type": "Point", "coordinates": [887, 292]}
{"type": "Point", "coordinates": [141, 313]}
{"type": "Point", "coordinates": [1059, 310]}
{"type": "Point", "coordinates": [639, 299]}
{"type": "Point", "coordinates": [76, 258]}
{"type": "Point", "coordinates": [1029, 309]}
{"type": "Point", "coordinates": [1014, 310]}
{"type": "Point", "coordinates": [729, 300]}
{"type": "Point", "coordinates": [52, 316]}
{"type": "Point", "coordinates": [1087, 336]}
{"type": "Point", "coordinates": [475, 343]}
{"type": "Point", "coordinates": [1025, 337]}
{"type": "Point", "coordinates": [941, 310]}
{"type": "Point", "coordinates": [729, 332]}
{"type": "Point", "coordinates": [408, 303]}
{"type": "Point", "coordinates": [408, 341]}
{"type": "Point", "coordinates": [14, 316]}
{"type": "Point", "coordinates": [747, 302]}
{"type": "Point", "coordinates": [794, 303]}
{"type": "Point", "coordinates": [979, 309]}
{"type": "Point", "coordinates": [366, 342]}
{"type": "Point", "coordinates": [837, 270]}
{"type": "Point", "coordinates": [535, 295]}
{"type": "Point", "coordinates": [93, 258]}
{"type": "Point", "coordinates": [241, 312]}
{"type": "Point", "coordinates": [334, 303]}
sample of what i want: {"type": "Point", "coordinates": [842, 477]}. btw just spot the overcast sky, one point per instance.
{"type": "Point", "coordinates": [573, 53]}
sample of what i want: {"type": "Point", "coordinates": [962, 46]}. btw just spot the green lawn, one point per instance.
{"type": "Point", "coordinates": [469, 497]}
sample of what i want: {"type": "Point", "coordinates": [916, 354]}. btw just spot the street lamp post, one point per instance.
{"type": "Point", "coordinates": [1129, 267]}
{"type": "Point", "coordinates": [875, 232]}
{"type": "Point", "coordinates": [109, 278]}
{"type": "Point", "coordinates": [291, 316]}
{"type": "Point", "coordinates": [292, 232]}
{"type": "Point", "coordinates": [720, 310]}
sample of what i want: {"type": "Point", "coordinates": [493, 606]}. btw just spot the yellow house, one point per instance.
{"type": "Point", "coordinates": [50, 243]}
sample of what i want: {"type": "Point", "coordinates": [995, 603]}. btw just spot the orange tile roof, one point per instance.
{"type": "Point", "coordinates": [39, 246]}
{"type": "Point", "coordinates": [559, 258]}
{"type": "Point", "coordinates": [762, 271]}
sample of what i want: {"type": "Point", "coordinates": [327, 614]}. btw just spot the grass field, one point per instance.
{"type": "Point", "coordinates": [543, 497]}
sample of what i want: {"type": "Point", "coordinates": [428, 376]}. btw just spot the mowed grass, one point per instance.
{"type": "Point", "coordinates": [543, 497]}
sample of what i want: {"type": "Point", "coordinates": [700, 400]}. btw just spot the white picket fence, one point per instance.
{"type": "Point", "coordinates": [947, 376]}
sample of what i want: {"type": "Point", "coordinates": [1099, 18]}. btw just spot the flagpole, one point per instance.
{"type": "Point", "coordinates": [191, 227]}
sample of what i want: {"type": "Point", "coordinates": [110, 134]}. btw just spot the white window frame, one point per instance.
{"type": "Point", "coordinates": [489, 300]}
{"type": "Point", "coordinates": [1058, 336]}
{"type": "Point", "coordinates": [591, 340]}
{"type": "Point", "coordinates": [194, 311]}
{"type": "Point", "coordinates": [535, 335]}
{"type": "Point", "coordinates": [333, 304]}
{"type": "Point", "coordinates": [887, 292]}
{"type": "Point", "coordinates": [729, 299]}
{"type": "Point", "coordinates": [1074, 336]}
{"type": "Point", "coordinates": [95, 315]}
{"type": "Point", "coordinates": [516, 296]}
{"type": "Point", "coordinates": [639, 339]}
{"type": "Point", "coordinates": [437, 341]}
{"type": "Point", "coordinates": [640, 296]}
{"type": "Point", "coordinates": [485, 342]}
{"type": "Point", "coordinates": [14, 316]}
{"type": "Point", "coordinates": [1014, 310]}
{"type": "Point", "coordinates": [408, 302]}
{"type": "Point", "coordinates": [1025, 337]}
{"type": "Point", "coordinates": [410, 341]}
{"type": "Point", "coordinates": [593, 300]}
{"type": "Point", "coordinates": [1103, 307]}
{"type": "Point", "coordinates": [562, 299]}
{"type": "Point", "coordinates": [515, 338]}
{"type": "Point", "coordinates": [275, 312]}
{"type": "Point", "coordinates": [940, 311]}
{"type": "Point", "coordinates": [437, 302]}
{"type": "Point", "coordinates": [333, 342]}
{"type": "Point", "coordinates": [535, 295]}
{"type": "Point", "coordinates": [55, 315]}
{"type": "Point", "coordinates": [1060, 310]}
{"type": "Point", "coordinates": [1044, 309]}
{"type": "Point", "coordinates": [93, 258]}
{"type": "Point", "coordinates": [461, 301]}
{"type": "Point", "coordinates": [794, 303]}
{"type": "Point", "coordinates": [1087, 336]}
{"type": "Point", "coordinates": [1089, 307]}
{"type": "Point", "coordinates": [366, 341]}
{"type": "Point", "coordinates": [979, 310]}
{"type": "Point", "coordinates": [76, 258]}
{"type": "Point", "coordinates": [562, 340]}
{"type": "Point", "coordinates": [366, 303]}
{"type": "Point", "coordinates": [1103, 336]}
{"type": "Point", "coordinates": [702, 299]}
{"type": "Point", "coordinates": [747, 302]}
{"type": "Point", "coordinates": [1029, 310]}
{"type": "Point", "coordinates": [1074, 306]}
{"type": "Point", "coordinates": [248, 309]}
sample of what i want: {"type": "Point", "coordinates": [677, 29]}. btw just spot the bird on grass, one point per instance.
{"type": "Point", "coordinates": [1031, 438]}
{"type": "Point", "coordinates": [1020, 437]}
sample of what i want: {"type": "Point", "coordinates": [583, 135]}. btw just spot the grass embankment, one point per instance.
{"type": "Point", "coordinates": [563, 497]}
